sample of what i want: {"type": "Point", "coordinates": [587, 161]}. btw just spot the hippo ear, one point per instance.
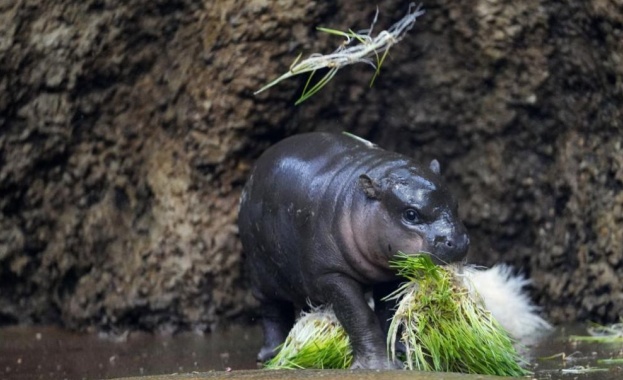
{"type": "Point", "coordinates": [435, 167]}
{"type": "Point", "coordinates": [370, 187]}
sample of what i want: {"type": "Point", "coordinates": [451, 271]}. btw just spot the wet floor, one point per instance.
{"type": "Point", "coordinates": [51, 353]}
{"type": "Point", "coordinates": [560, 356]}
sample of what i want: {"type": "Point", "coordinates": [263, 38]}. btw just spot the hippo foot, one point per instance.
{"type": "Point", "coordinates": [266, 353]}
{"type": "Point", "coordinates": [374, 363]}
{"type": "Point", "coordinates": [400, 348]}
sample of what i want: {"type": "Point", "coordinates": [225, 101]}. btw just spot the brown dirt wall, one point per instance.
{"type": "Point", "coordinates": [127, 130]}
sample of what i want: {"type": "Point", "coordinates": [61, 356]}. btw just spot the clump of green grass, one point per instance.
{"type": "Point", "coordinates": [317, 340]}
{"type": "Point", "coordinates": [358, 47]}
{"type": "Point", "coordinates": [442, 328]}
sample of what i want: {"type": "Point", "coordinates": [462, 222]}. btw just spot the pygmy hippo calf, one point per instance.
{"type": "Point", "coordinates": [320, 217]}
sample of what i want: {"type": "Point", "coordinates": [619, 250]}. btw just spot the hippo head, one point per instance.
{"type": "Point", "coordinates": [411, 210]}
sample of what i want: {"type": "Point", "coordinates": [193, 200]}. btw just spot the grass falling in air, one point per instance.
{"type": "Point", "coordinates": [358, 47]}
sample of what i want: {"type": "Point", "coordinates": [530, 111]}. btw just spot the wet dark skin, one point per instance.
{"type": "Point", "coordinates": [320, 218]}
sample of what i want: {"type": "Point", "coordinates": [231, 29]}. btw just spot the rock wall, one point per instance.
{"type": "Point", "coordinates": [127, 130]}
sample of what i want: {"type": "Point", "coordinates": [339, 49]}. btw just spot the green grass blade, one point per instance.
{"type": "Point", "coordinates": [378, 67]}
{"type": "Point", "coordinates": [317, 87]}
{"type": "Point", "coordinates": [334, 32]}
{"type": "Point", "coordinates": [358, 37]}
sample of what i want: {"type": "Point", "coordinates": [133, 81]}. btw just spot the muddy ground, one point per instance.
{"type": "Point", "coordinates": [127, 129]}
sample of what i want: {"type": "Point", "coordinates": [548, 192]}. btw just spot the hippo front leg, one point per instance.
{"type": "Point", "coordinates": [359, 321]}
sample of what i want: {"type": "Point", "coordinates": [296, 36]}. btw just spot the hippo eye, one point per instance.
{"type": "Point", "coordinates": [410, 215]}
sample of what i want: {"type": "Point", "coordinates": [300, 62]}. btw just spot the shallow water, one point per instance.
{"type": "Point", "coordinates": [52, 353]}
{"type": "Point", "coordinates": [559, 357]}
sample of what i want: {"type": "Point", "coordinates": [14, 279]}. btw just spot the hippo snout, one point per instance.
{"type": "Point", "coordinates": [453, 248]}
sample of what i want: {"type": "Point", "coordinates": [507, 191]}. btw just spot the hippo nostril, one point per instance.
{"type": "Point", "coordinates": [449, 244]}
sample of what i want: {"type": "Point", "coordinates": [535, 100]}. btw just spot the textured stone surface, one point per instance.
{"type": "Point", "coordinates": [127, 129]}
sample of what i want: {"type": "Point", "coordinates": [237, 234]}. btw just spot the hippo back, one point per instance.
{"type": "Point", "coordinates": [303, 204]}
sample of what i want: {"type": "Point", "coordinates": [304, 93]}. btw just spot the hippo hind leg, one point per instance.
{"type": "Point", "coordinates": [277, 320]}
